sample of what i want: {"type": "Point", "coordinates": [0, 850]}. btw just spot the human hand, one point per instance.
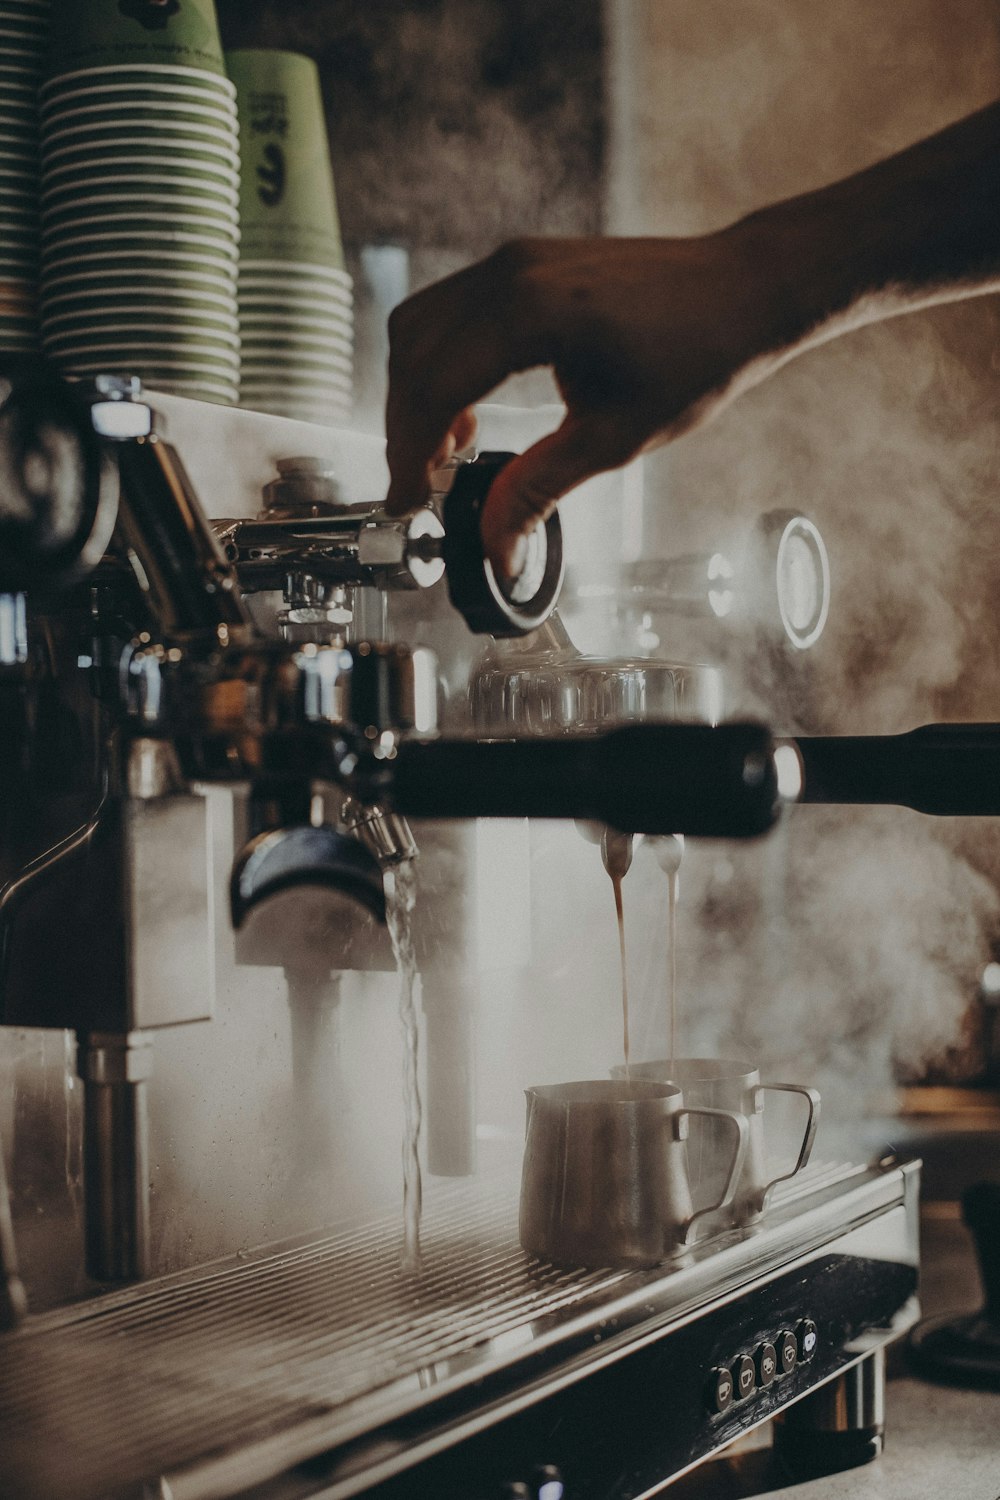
{"type": "Point", "coordinates": [647, 339]}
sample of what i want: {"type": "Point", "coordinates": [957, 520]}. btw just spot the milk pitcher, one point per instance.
{"type": "Point", "coordinates": [605, 1180]}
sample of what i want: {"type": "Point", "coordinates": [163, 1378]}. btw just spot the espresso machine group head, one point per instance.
{"type": "Point", "coordinates": [124, 605]}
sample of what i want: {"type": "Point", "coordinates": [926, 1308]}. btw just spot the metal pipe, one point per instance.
{"type": "Point", "coordinates": [13, 1301]}
{"type": "Point", "coordinates": [188, 584]}
{"type": "Point", "coordinates": [839, 1425]}
{"type": "Point", "coordinates": [114, 1069]}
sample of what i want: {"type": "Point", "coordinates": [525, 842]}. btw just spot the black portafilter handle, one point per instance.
{"type": "Point", "coordinates": [943, 769]}
{"type": "Point", "coordinates": [492, 605]}
{"type": "Point", "coordinates": [696, 779]}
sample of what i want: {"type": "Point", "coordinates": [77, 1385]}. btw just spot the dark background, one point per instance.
{"type": "Point", "coordinates": [454, 124]}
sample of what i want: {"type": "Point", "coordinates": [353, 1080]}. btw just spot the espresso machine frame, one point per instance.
{"type": "Point", "coordinates": [279, 1376]}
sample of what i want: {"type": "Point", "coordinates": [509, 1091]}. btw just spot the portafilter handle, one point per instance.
{"type": "Point", "coordinates": [948, 770]}
{"type": "Point", "coordinates": [704, 780]}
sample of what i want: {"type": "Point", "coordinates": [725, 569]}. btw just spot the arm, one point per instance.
{"type": "Point", "coordinates": [649, 338]}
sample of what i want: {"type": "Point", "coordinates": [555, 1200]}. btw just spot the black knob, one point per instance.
{"type": "Point", "coordinates": [721, 1390]}
{"type": "Point", "coordinates": [58, 489]}
{"type": "Point", "coordinates": [807, 1335]}
{"type": "Point", "coordinates": [491, 605]}
{"type": "Point", "coordinates": [744, 1376]}
{"type": "Point", "coordinates": [788, 1352]}
{"type": "Point", "coordinates": [547, 1482]}
{"type": "Point", "coordinates": [766, 1363]}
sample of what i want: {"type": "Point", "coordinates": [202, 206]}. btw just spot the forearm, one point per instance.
{"type": "Point", "coordinates": [917, 228]}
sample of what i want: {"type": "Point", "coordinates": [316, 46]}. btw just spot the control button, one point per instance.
{"type": "Point", "coordinates": [766, 1361]}
{"type": "Point", "coordinates": [808, 1336]}
{"type": "Point", "coordinates": [721, 1390]}
{"type": "Point", "coordinates": [547, 1483]}
{"type": "Point", "coordinates": [788, 1352]}
{"type": "Point", "coordinates": [744, 1376]}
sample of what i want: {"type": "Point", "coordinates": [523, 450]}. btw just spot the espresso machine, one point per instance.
{"type": "Point", "coordinates": [203, 705]}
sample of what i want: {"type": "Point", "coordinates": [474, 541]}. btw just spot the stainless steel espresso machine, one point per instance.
{"type": "Point", "coordinates": [153, 663]}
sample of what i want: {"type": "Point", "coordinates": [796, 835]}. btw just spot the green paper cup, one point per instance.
{"type": "Point", "coordinates": [206, 140]}
{"type": "Point", "coordinates": [132, 313]}
{"type": "Point", "coordinates": [288, 209]}
{"type": "Point", "coordinates": [166, 108]}
{"type": "Point", "coordinates": [205, 267]}
{"type": "Point", "coordinates": [123, 355]}
{"type": "Point", "coordinates": [156, 100]}
{"type": "Point", "coordinates": [168, 285]}
{"type": "Point", "coordinates": [155, 194]}
{"type": "Point", "coordinates": [276, 271]}
{"type": "Point", "coordinates": [134, 33]}
{"type": "Point", "coordinates": [174, 167]}
{"type": "Point", "coordinates": [339, 334]}
{"type": "Point", "coordinates": [173, 76]}
{"type": "Point", "coordinates": [143, 230]}
{"type": "Point", "coordinates": [305, 367]}
{"type": "Point", "coordinates": [262, 344]}
{"type": "Point", "coordinates": [171, 312]}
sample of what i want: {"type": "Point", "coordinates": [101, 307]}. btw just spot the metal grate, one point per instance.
{"type": "Point", "coordinates": [152, 1380]}
{"type": "Point", "coordinates": [312, 1344]}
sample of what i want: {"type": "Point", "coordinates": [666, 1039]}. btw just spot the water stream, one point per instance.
{"type": "Point", "coordinates": [401, 898]}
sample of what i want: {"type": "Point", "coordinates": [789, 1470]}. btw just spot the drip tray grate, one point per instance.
{"type": "Point", "coordinates": [179, 1373]}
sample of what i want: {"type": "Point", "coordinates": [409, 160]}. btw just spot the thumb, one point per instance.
{"type": "Point", "coordinates": [525, 492]}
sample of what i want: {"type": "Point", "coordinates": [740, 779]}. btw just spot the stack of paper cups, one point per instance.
{"type": "Point", "coordinates": [23, 38]}
{"type": "Point", "coordinates": [295, 298]}
{"type": "Point", "coordinates": [140, 196]}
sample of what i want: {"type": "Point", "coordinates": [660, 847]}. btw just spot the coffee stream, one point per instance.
{"type": "Point", "coordinates": [673, 883]}
{"type": "Point", "coordinates": [616, 881]}
{"type": "Point", "coordinates": [401, 897]}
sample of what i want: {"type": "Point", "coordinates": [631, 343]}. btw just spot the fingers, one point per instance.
{"type": "Point", "coordinates": [449, 346]}
{"type": "Point", "coordinates": [525, 492]}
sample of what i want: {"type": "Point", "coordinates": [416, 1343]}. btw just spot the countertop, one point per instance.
{"type": "Point", "coordinates": [939, 1441]}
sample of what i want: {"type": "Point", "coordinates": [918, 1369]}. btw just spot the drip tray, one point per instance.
{"type": "Point", "coordinates": [226, 1375]}
{"type": "Point", "coordinates": [140, 1383]}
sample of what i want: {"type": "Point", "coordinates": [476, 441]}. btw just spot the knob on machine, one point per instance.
{"type": "Point", "coordinates": [492, 605]}
{"type": "Point", "coordinates": [58, 493]}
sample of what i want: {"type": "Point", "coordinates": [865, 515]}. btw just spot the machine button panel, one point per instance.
{"type": "Point", "coordinates": [721, 1389]}
{"type": "Point", "coordinates": [766, 1362]}
{"type": "Point", "coordinates": [744, 1377]}
{"type": "Point", "coordinates": [788, 1352]}
{"type": "Point", "coordinates": [773, 1359]}
{"type": "Point", "coordinates": [807, 1335]}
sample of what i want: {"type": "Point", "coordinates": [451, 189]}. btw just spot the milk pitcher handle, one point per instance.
{"type": "Point", "coordinates": [808, 1136]}
{"type": "Point", "coordinates": [742, 1129]}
